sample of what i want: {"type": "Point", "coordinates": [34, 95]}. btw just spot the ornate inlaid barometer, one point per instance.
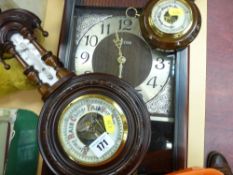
{"type": "Point", "coordinates": [89, 124]}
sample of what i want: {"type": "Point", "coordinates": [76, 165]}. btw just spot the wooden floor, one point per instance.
{"type": "Point", "coordinates": [219, 90]}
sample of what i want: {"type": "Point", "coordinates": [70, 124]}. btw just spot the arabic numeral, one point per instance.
{"type": "Point", "coordinates": [105, 28]}
{"type": "Point", "coordinates": [106, 143]}
{"type": "Point", "coordinates": [91, 40]}
{"type": "Point", "coordinates": [152, 82]}
{"type": "Point", "coordinates": [102, 145]}
{"type": "Point", "coordinates": [160, 65]}
{"type": "Point", "coordinates": [125, 24]}
{"type": "Point", "coordinates": [85, 57]}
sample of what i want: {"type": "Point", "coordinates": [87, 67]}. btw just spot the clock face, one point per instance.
{"type": "Point", "coordinates": [92, 129]}
{"type": "Point", "coordinates": [115, 46]}
{"type": "Point", "coordinates": [171, 17]}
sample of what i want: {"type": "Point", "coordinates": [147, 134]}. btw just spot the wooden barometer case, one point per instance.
{"type": "Point", "coordinates": [170, 24]}
{"type": "Point", "coordinates": [110, 37]}
{"type": "Point", "coordinates": [89, 124]}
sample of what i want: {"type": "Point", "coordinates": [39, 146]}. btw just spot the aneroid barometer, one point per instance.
{"type": "Point", "coordinates": [170, 24]}
{"type": "Point", "coordinates": [90, 124]}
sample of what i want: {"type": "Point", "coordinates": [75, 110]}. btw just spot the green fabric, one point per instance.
{"type": "Point", "coordinates": [23, 153]}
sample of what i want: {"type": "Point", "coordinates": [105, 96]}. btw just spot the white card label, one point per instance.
{"type": "Point", "coordinates": [101, 145]}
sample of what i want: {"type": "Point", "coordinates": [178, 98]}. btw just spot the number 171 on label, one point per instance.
{"type": "Point", "coordinates": [102, 145]}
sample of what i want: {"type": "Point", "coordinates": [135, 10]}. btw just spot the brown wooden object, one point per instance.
{"type": "Point", "coordinates": [160, 160]}
{"type": "Point", "coordinates": [117, 99]}
{"type": "Point", "coordinates": [24, 22]}
{"type": "Point", "coordinates": [167, 41]}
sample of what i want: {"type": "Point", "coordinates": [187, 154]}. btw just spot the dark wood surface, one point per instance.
{"type": "Point", "coordinates": [125, 161]}
{"type": "Point", "coordinates": [219, 90]}
{"type": "Point", "coordinates": [113, 3]}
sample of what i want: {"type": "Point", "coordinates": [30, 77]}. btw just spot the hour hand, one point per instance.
{"type": "Point", "coordinates": [121, 60]}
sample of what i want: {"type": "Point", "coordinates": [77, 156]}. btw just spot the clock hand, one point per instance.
{"type": "Point", "coordinates": [120, 59]}
{"type": "Point", "coordinates": [118, 43]}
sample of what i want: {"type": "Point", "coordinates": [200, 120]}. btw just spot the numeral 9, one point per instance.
{"type": "Point", "coordinates": [85, 57]}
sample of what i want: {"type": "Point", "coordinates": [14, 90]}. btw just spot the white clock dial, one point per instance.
{"type": "Point", "coordinates": [115, 46]}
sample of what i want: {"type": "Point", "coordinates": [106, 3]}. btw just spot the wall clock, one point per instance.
{"type": "Point", "coordinates": [105, 36]}
{"type": "Point", "coordinates": [89, 124]}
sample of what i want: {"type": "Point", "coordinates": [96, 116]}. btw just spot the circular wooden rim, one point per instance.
{"type": "Point", "coordinates": [139, 131]}
{"type": "Point", "coordinates": [169, 42]}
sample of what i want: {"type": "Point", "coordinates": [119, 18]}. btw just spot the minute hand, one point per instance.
{"type": "Point", "coordinates": [120, 59]}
